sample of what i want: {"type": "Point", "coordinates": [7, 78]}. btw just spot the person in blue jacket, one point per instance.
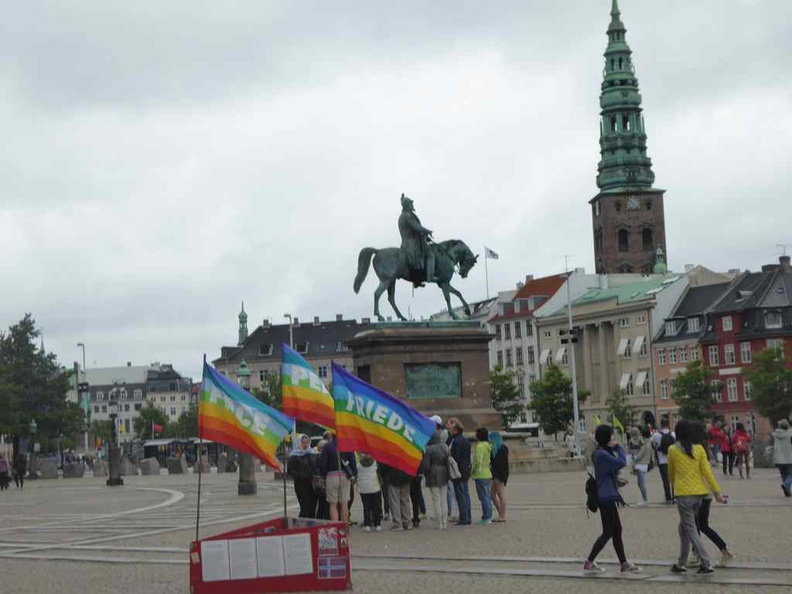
{"type": "Point", "coordinates": [608, 459]}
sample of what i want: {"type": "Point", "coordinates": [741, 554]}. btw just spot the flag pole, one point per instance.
{"type": "Point", "coordinates": [486, 272]}
{"type": "Point", "coordinates": [283, 471]}
{"type": "Point", "coordinates": [200, 441]}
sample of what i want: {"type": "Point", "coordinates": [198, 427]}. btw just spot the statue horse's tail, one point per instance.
{"type": "Point", "coordinates": [364, 261]}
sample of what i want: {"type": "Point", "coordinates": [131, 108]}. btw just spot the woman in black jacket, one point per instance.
{"type": "Point", "coordinates": [500, 474]}
{"type": "Point", "coordinates": [301, 468]}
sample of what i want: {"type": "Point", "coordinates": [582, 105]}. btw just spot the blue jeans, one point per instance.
{"type": "Point", "coordinates": [642, 483]}
{"type": "Point", "coordinates": [483, 487]}
{"type": "Point", "coordinates": [463, 501]}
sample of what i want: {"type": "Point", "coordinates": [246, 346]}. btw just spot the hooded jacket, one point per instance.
{"type": "Point", "coordinates": [435, 462]}
{"type": "Point", "coordinates": [782, 446]}
{"type": "Point", "coordinates": [367, 479]}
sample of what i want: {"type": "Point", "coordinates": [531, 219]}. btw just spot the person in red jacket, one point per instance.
{"type": "Point", "coordinates": [726, 450]}
{"type": "Point", "coordinates": [713, 441]}
{"type": "Point", "coordinates": [741, 446]}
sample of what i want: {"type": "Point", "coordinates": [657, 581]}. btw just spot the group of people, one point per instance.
{"type": "Point", "coordinates": [325, 480]}
{"type": "Point", "coordinates": [734, 447]}
{"type": "Point", "coordinates": [16, 468]}
{"type": "Point", "coordinates": [685, 465]}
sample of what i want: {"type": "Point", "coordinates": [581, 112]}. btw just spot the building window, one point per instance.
{"type": "Point", "coordinates": [301, 347]}
{"type": "Point", "coordinates": [624, 239]}
{"type": "Point", "coordinates": [661, 356]}
{"type": "Point", "coordinates": [127, 426]}
{"type": "Point", "coordinates": [519, 356]}
{"type": "Point", "coordinates": [624, 322]}
{"type": "Point", "coordinates": [694, 353]}
{"type": "Point", "coordinates": [261, 376]}
{"type": "Point", "coordinates": [500, 358]}
{"type": "Point", "coordinates": [727, 323]}
{"type": "Point", "coordinates": [646, 240]}
{"type": "Point", "coordinates": [672, 356]}
{"type": "Point", "coordinates": [647, 389]}
{"type": "Point", "coordinates": [321, 371]}
{"type": "Point", "coordinates": [714, 359]}
{"type": "Point", "coordinates": [733, 420]}
{"type": "Point", "coordinates": [778, 345]}
{"type": "Point", "coordinates": [518, 329]}
{"type": "Point", "coordinates": [565, 358]}
{"type": "Point", "coordinates": [528, 328]}
{"type": "Point", "coordinates": [507, 331]}
{"type": "Point", "coordinates": [745, 352]}
{"type": "Point", "coordinates": [173, 398]}
{"type": "Point", "coordinates": [715, 391]}
{"type": "Point", "coordinates": [728, 354]}
{"type": "Point", "coordinates": [731, 389]}
{"type": "Point", "coordinates": [773, 319]}
{"type": "Point", "coordinates": [138, 406]}
{"type": "Point", "coordinates": [694, 325]}
{"type": "Point", "coordinates": [630, 389]}
{"type": "Point", "coordinates": [104, 408]}
{"type": "Point", "coordinates": [531, 355]}
{"type": "Point", "coordinates": [173, 411]}
{"type": "Point", "coordinates": [548, 334]}
{"type": "Point", "coordinates": [126, 408]}
{"type": "Point", "coordinates": [643, 351]}
{"type": "Point", "coordinates": [683, 354]}
{"type": "Point", "coordinates": [670, 328]}
{"type": "Point", "coordinates": [747, 389]}
{"type": "Point", "coordinates": [265, 350]}
{"type": "Point", "coordinates": [162, 398]}
{"type": "Point", "coordinates": [640, 318]}
{"type": "Point", "coordinates": [497, 332]}
{"type": "Point", "coordinates": [100, 395]}
{"type": "Point", "coordinates": [531, 379]}
{"type": "Point", "coordinates": [628, 349]}
{"type": "Point", "coordinates": [663, 389]}
{"type": "Point", "coordinates": [96, 408]}
{"type": "Point", "coordinates": [509, 361]}
{"type": "Point", "coordinates": [341, 346]}
{"type": "Point", "coordinates": [183, 397]}
{"type": "Point", "coordinates": [137, 394]}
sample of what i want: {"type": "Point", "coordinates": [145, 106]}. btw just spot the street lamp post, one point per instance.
{"type": "Point", "coordinates": [84, 395]}
{"type": "Point", "coordinates": [32, 474]}
{"type": "Point", "coordinates": [247, 473]}
{"type": "Point", "coordinates": [520, 373]}
{"type": "Point", "coordinates": [114, 480]}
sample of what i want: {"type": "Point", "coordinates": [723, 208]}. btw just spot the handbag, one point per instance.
{"type": "Point", "coordinates": [318, 483]}
{"type": "Point", "coordinates": [453, 469]}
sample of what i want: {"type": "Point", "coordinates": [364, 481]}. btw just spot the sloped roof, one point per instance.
{"type": "Point", "coordinates": [698, 299]}
{"type": "Point", "coordinates": [105, 376]}
{"type": "Point", "coordinates": [632, 292]}
{"type": "Point", "coordinates": [541, 287]}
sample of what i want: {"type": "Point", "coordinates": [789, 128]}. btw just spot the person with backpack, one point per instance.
{"type": "Point", "coordinates": [661, 441]}
{"type": "Point", "coordinates": [741, 446]}
{"type": "Point", "coordinates": [500, 474]}
{"type": "Point", "coordinates": [690, 472]}
{"type": "Point", "coordinates": [608, 459]}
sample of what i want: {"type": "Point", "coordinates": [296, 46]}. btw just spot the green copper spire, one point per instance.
{"type": "Point", "coordinates": [660, 266]}
{"type": "Point", "coordinates": [622, 134]}
{"type": "Point", "coordinates": [243, 328]}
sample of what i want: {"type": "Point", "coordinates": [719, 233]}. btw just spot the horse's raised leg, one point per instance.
{"type": "Point", "coordinates": [446, 289]}
{"type": "Point", "coordinates": [377, 294]}
{"type": "Point", "coordinates": [462, 299]}
{"type": "Point", "coordinates": [392, 300]}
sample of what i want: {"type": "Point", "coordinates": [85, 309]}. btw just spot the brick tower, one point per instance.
{"type": "Point", "coordinates": [627, 214]}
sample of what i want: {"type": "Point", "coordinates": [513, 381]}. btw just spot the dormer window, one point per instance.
{"type": "Point", "coordinates": [301, 347]}
{"type": "Point", "coordinates": [694, 325]}
{"type": "Point", "coordinates": [773, 319]}
{"type": "Point", "coordinates": [671, 328]}
{"type": "Point", "coordinates": [727, 323]}
{"type": "Point", "coordinates": [265, 350]}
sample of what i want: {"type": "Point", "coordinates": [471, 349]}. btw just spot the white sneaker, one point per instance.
{"type": "Point", "coordinates": [377, 528]}
{"type": "Point", "coordinates": [642, 504]}
{"type": "Point", "coordinates": [366, 528]}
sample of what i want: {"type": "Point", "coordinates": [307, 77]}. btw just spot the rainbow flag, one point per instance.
{"type": "Point", "coordinates": [371, 421]}
{"type": "Point", "coordinates": [305, 397]}
{"type": "Point", "coordinates": [228, 414]}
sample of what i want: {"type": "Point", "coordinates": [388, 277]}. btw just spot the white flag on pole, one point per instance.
{"type": "Point", "coordinates": [488, 253]}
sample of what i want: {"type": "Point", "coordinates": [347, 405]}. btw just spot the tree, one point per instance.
{"type": "Point", "coordinates": [771, 385]}
{"type": "Point", "coordinates": [551, 398]}
{"type": "Point", "coordinates": [102, 430]}
{"type": "Point", "coordinates": [148, 414]}
{"type": "Point", "coordinates": [33, 386]}
{"type": "Point", "coordinates": [186, 425]}
{"type": "Point", "coordinates": [619, 406]}
{"type": "Point", "coordinates": [271, 392]}
{"type": "Point", "coordinates": [505, 395]}
{"type": "Point", "coordinates": [693, 391]}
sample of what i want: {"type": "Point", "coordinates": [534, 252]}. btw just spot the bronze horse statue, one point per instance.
{"type": "Point", "coordinates": [390, 264]}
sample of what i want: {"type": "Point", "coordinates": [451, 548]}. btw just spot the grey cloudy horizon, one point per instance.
{"type": "Point", "coordinates": [163, 164]}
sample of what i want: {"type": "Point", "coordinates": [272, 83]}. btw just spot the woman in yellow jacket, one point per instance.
{"type": "Point", "coordinates": [691, 475]}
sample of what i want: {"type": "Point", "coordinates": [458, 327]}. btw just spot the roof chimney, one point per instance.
{"type": "Point", "coordinates": [528, 278]}
{"type": "Point", "coordinates": [296, 321]}
{"type": "Point", "coordinates": [784, 262]}
{"type": "Point", "coordinates": [689, 267]}
{"type": "Point", "coordinates": [316, 320]}
{"type": "Point", "coordinates": [265, 323]}
{"type": "Point", "coordinates": [339, 317]}
{"type": "Point", "coordinates": [129, 363]}
{"type": "Point", "coordinates": [365, 320]}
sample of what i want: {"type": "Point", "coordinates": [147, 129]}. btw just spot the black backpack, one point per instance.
{"type": "Point", "coordinates": [592, 500]}
{"type": "Point", "coordinates": [666, 441]}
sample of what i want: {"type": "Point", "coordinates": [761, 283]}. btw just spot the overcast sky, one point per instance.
{"type": "Point", "coordinates": [161, 162]}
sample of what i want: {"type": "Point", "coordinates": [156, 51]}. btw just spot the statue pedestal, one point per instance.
{"type": "Point", "coordinates": [436, 367]}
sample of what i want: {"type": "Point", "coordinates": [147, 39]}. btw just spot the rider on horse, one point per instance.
{"type": "Point", "coordinates": [415, 244]}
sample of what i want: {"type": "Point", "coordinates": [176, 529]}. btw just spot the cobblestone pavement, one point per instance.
{"type": "Point", "coordinates": [78, 535]}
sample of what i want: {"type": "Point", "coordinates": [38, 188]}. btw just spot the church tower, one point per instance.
{"type": "Point", "coordinates": [627, 214]}
{"type": "Point", "coordinates": [243, 329]}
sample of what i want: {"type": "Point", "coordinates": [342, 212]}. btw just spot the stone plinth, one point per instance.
{"type": "Point", "coordinates": [247, 476]}
{"type": "Point", "coordinates": [436, 367]}
{"type": "Point", "coordinates": [176, 465]}
{"type": "Point", "coordinates": [128, 468]}
{"type": "Point", "coordinates": [47, 469]}
{"type": "Point", "coordinates": [74, 470]}
{"type": "Point", "coordinates": [149, 466]}
{"type": "Point", "coordinates": [100, 468]}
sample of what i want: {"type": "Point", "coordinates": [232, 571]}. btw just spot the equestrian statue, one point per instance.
{"type": "Point", "coordinates": [418, 260]}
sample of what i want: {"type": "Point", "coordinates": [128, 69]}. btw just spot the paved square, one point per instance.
{"type": "Point", "coordinates": [78, 535]}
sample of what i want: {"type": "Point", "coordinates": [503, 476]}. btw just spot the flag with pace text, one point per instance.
{"type": "Point", "coordinates": [305, 397]}
{"type": "Point", "coordinates": [371, 421]}
{"type": "Point", "coordinates": [228, 414]}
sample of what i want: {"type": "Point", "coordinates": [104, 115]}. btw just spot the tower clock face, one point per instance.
{"type": "Point", "coordinates": [634, 203]}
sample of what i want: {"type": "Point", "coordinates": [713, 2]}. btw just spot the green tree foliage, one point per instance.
{"type": "Point", "coordinates": [146, 415]}
{"type": "Point", "coordinates": [693, 391]}
{"type": "Point", "coordinates": [271, 392]}
{"type": "Point", "coordinates": [505, 395]}
{"type": "Point", "coordinates": [771, 385]}
{"type": "Point", "coordinates": [186, 425]}
{"type": "Point", "coordinates": [551, 398]}
{"type": "Point", "coordinates": [102, 429]}
{"type": "Point", "coordinates": [33, 386]}
{"type": "Point", "coordinates": [618, 405]}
